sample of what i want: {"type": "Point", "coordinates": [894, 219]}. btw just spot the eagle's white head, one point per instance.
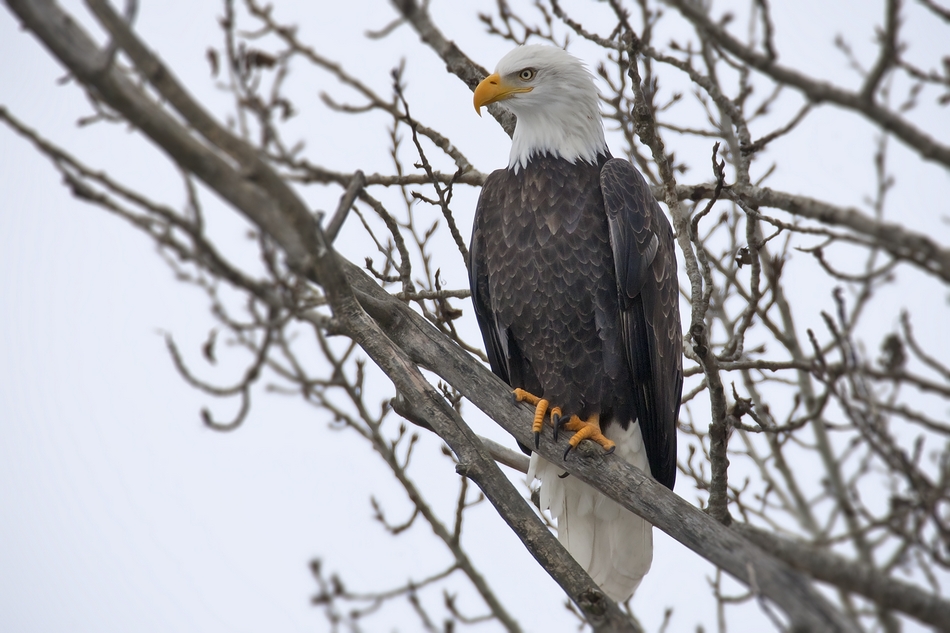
{"type": "Point", "coordinates": [553, 95]}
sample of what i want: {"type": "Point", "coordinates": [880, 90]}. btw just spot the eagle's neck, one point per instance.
{"type": "Point", "coordinates": [562, 128]}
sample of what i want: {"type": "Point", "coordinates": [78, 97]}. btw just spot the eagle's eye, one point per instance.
{"type": "Point", "coordinates": [526, 75]}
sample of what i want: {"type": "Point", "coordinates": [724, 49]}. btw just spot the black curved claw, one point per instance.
{"type": "Point", "coordinates": [563, 475]}
{"type": "Point", "coordinates": [610, 451]}
{"type": "Point", "coordinates": [537, 439]}
{"type": "Point", "coordinates": [556, 421]}
{"type": "Point", "coordinates": [569, 447]}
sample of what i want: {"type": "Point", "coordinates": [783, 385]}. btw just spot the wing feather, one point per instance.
{"type": "Point", "coordinates": [494, 334]}
{"type": "Point", "coordinates": [645, 260]}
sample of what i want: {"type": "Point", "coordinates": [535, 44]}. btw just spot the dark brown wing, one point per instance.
{"type": "Point", "coordinates": [504, 354]}
{"type": "Point", "coordinates": [495, 344]}
{"type": "Point", "coordinates": [645, 261]}
{"type": "Point", "coordinates": [478, 282]}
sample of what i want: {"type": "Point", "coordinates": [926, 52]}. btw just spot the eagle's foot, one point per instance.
{"type": "Point", "coordinates": [586, 430]}
{"type": "Point", "coordinates": [540, 408]}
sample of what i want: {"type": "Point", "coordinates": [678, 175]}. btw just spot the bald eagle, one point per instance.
{"type": "Point", "coordinates": [573, 278]}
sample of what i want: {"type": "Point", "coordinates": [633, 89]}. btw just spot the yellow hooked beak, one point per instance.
{"type": "Point", "coordinates": [493, 88]}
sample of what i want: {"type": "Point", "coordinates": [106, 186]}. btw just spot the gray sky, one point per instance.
{"type": "Point", "coordinates": [120, 511]}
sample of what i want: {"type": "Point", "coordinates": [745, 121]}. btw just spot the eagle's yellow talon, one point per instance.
{"type": "Point", "coordinates": [587, 430]}
{"type": "Point", "coordinates": [525, 396]}
{"type": "Point", "coordinates": [541, 407]}
{"type": "Point", "coordinates": [539, 412]}
{"type": "Point", "coordinates": [583, 429]}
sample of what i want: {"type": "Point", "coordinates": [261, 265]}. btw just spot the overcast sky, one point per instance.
{"type": "Point", "coordinates": [119, 510]}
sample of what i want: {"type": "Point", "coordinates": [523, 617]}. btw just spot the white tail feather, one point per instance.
{"type": "Point", "coordinates": [614, 545]}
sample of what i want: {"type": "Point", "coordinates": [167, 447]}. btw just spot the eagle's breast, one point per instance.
{"type": "Point", "coordinates": [552, 284]}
